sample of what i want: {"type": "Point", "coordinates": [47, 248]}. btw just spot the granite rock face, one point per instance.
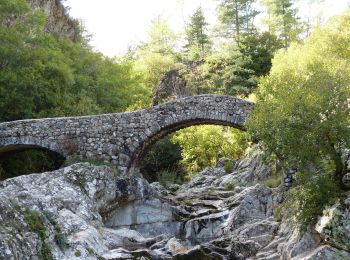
{"type": "Point", "coordinates": [334, 225]}
{"type": "Point", "coordinates": [172, 86]}
{"type": "Point", "coordinates": [92, 212]}
{"type": "Point", "coordinates": [58, 22]}
{"type": "Point", "coordinates": [60, 213]}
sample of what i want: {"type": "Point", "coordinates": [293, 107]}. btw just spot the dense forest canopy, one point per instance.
{"type": "Point", "coordinates": [43, 74]}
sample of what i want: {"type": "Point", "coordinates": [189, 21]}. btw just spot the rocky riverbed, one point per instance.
{"type": "Point", "coordinates": [91, 212]}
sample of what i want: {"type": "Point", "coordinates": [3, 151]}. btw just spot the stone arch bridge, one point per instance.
{"type": "Point", "coordinates": [122, 138]}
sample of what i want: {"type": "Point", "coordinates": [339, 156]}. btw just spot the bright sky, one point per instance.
{"type": "Point", "coordinates": [115, 24]}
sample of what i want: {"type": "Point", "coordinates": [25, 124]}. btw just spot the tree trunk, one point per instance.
{"type": "Point", "coordinates": [339, 168]}
{"type": "Point", "coordinates": [237, 23]}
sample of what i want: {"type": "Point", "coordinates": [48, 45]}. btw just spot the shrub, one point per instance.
{"type": "Point", "coordinates": [273, 182]}
{"type": "Point", "coordinates": [228, 166]}
{"type": "Point", "coordinates": [60, 238]}
{"type": "Point", "coordinates": [77, 253]}
{"type": "Point", "coordinates": [163, 156]}
{"type": "Point", "coordinates": [169, 177]}
{"type": "Point", "coordinates": [230, 186]}
{"type": "Point", "coordinates": [203, 145]}
{"type": "Point", "coordinates": [304, 203]}
{"type": "Point", "coordinates": [34, 219]}
{"type": "Point", "coordinates": [90, 250]}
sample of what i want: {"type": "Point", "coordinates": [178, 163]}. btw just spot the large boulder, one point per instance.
{"type": "Point", "coordinates": [172, 86]}
{"type": "Point", "coordinates": [334, 225]}
{"type": "Point", "coordinates": [59, 214]}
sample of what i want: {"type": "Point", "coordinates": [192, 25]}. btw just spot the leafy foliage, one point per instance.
{"type": "Point", "coordinates": [237, 17]}
{"type": "Point", "coordinates": [228, 166]}
{"type": "Point", "coordinates": [163, 157]}
{"type": "Point", "coordinates": [302, 113]}
{"type": "Point", "coordinates": [152, 59]}
{"type": "Point", "coordinates": [166, 177]}
{"type": "Point", "coordinates": [273, 182]}
{"type": "Point", "coordinates": [223, 74]}
{"type": "Point", "coordinates": [198, 42]}
{"type": "Point", "coordinates": [282, 19]}
{"type": "Point", "coordinates": [203, 145]}
{"type": "Point", "coordinates": [260, 48]}
{"type": "Point", "coordinates": [43, 76]}
{"type": "Point", "coordinates": [35, 219]}
{"type": "Point", "coordinates": [304, 203]}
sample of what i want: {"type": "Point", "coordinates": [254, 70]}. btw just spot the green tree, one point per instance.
{"type": "Point", "coordinates": [203, 145]}
{"type": "Point", "coordinates": [155, 57]}
{"type": "Point", "coordinates": [260, 48]}
{"type": "Point", "coordinates": [198, 42]}
{"type": "Point", "coordinates": [42, 75]}
{"type": "Point", "coordinates": [163, 156]}
{"type": "Point", "coordinates": [282, 19]}
{"type": "Point", "coordinates": [161, 38]}
{"type": "Point", "coordinates": [226, 72]}
{"type": "Point", "coordinates": [305, 203]}
{"type": "Point", "coordinates": [237, 17]}
{"type": "Point", "coordinates": [33, 75]}
{"type": "Point", "coordinates": [302, 113]}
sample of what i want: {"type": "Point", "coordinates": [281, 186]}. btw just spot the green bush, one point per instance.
{"type": "Point", "coordinates": [169, 177]}
{"type": "Point", "coordinates": [228, 166]}
{"type": "Point", "coordinates": [203, 145]}
{"type": "Point", "coordinates": [35, 221]}
{"type": "Point", "coordinates": [77, 253]}
{"type": "Point", "coordinates": [59, 238]}
{"type": "Point", "coordinates": [230, 186]}
{"type": "Point", "coordinates": [90, 250]}
{"type": "Point", "coordinates": [164, 156]}
{"type": "Point", "coordinates": [304, 203]}
{"type": "Point", "coordinates": [273, 182]}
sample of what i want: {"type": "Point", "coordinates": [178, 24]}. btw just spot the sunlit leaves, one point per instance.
{"type": "Point", "coordinates": [303, 112]}
{"type": "Point", "coordinates": [203, 145]}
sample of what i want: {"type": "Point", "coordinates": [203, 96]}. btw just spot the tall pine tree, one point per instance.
{"type": "Point", "coordinates": [198, 42]}
{"type": "Point", "coordinates": [237, 17]}
{"type": "Point", "coordinates": [282, 19]}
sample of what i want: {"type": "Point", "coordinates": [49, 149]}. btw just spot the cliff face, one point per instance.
{"type": "Point", "coordinates": [171, 86]}
{"type": "Point", "coordinates": [59, 22]}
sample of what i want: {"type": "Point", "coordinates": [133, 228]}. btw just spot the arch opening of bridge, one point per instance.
{"type": "Point", "coordinates": [22, 159]}
{"type": "Point", "coordinates": [145, 147]}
